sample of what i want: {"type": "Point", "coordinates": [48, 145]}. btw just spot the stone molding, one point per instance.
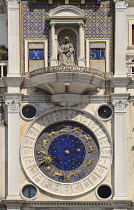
{"type": "Point", "coordinates": [79, 204]}
{"type": "Point", "coordinates": [13, 203]}
{"type": "Point", "coordinates": [73, 11]}
{"type": "Point", "coordinates": [13, 81]}
{"type": "Point", "coordinates": [71, 204]}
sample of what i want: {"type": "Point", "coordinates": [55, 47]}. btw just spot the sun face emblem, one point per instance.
{"type": "Point", "coordinates": [46, 160]}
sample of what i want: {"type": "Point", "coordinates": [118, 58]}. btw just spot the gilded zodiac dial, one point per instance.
{"type": "Point", "coordinates": [66, 151]}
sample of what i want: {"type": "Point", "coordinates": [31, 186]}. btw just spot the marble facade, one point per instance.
{"type": "Point", "coordinates": [39, 93]}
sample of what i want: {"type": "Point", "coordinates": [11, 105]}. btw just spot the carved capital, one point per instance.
{"type": "Point", "coordinates": [13, 105]}
{"type": "Point", "coordinates": [13, 3]}
{"type": "Point", "coordinates": [121, 3]}
{"type": "Point", "coordinates": [13, 102]}
{"type": "Point", "coordinates": [120, 105]}
{"type": "Point", "coordinates": [126, 1]}
{"type": "Point", "coordinates": [120, 101]}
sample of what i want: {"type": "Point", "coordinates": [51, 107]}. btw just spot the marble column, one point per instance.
{"type": "Point", "coordinates": [120, 102]}
{"type": "Point", "coordinates": [13, 38]}
{"type": "Point", "coordinates": [53, 47]}
{"type": "Point", "coordinates": [81, 60]}
{"type": "Point", "coordinates": [13, 102]}
{"type": "Point", "coordinates": [2, 154]}
{"type": "Point", "coordinates": [120, 37]}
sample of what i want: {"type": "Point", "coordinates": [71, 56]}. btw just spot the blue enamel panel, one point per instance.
{"type": "Point", "coordinates": [36, 54]}
{"type": "Point", "coordinates": [97, 53]}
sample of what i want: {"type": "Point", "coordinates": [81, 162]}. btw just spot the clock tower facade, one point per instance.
{"type": "Point", "coordinates": [66, 109]}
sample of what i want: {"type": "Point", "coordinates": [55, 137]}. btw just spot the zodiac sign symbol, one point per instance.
{"type": "Point", "coordinates": [91, 149]}
{"type": "Point", "coordinates": [56, 174]}
{"type": "Point", "coordinates": [62, 131]}
{"type": "Point", "coordinates": [89, 162]}
{"type": "Point", "coordinates": [44, 142]}
{"type": "Point", "coordinates": [71, 174]}
{"type": "Point", "coordinates": [52, 134]}
{"type": "Point", "coordinates": [86, 138]}
{"type": "Point", "coordinates": [76, 130]}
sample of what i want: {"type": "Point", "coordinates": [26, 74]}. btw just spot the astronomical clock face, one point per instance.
{"type": "Point", "coordinates": [66, 152]}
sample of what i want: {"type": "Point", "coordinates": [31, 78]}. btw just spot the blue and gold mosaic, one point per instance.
{"type": "Point", "coordinates": [98, 24]}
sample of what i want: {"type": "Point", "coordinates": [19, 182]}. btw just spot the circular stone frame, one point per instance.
{"type": "Point", "coordinates": [21, 193]}
{"type": "Point", "coordinates": [25, 118]}
{"type": "Point", "coordinates": [108, 185]}
{"type": "Point", "coordinates": [104, 119]}
{"type": "Point", "coordinates": [66, 189]}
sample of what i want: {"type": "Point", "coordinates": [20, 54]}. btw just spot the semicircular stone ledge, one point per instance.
{"type": "Point", "coordinates": [55, 83]}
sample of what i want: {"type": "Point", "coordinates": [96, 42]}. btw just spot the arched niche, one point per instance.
{"type": "Point", "coordinates": [69, 19]}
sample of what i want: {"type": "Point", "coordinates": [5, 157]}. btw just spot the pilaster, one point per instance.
{"type": "Point", "coordinates": [2, 154]}
{"type": "Point", "coordinates": [13, 38]}
{"type": "Point", "coordinates": [120, 102]}
{"type": "Point", "coordinates": [81, 46]}
{"type": "Point", "coordinates": [13, 102]}
{"type": "Point", "coordinates": [120, 37]}
{"type": "Point", "coordinates": [53, 46]}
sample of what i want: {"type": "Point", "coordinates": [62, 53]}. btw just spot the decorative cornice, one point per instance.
{"type": "Point", "coordinates": [13, 203]}
{"type": "Point", "coordinates": [79, 204]}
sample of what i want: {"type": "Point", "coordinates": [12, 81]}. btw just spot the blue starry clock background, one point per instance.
{"type": "Point", "coordinates": [66, 151]}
